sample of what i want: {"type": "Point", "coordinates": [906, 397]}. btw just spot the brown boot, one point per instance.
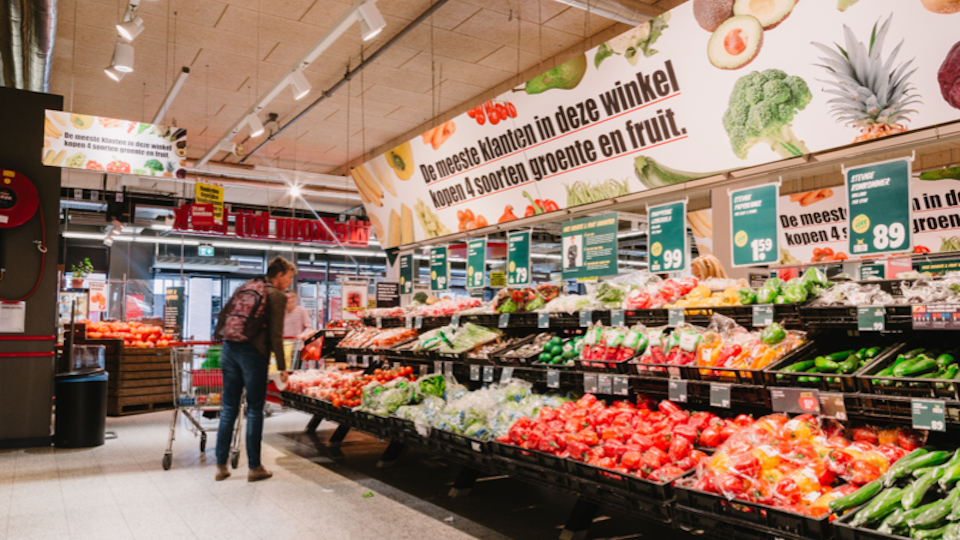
{"type": "Point", "coordinates": [258, 473]}
{"type": "Point", "coordinates": [222, 472]}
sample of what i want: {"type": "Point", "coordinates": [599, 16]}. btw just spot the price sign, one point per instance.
{"type": "Point", "coordinates": [754, 225]}
{"type": "Point", "coordinates": [438, 367]}
{"type": "Point", "coordinates": [379, 322]}
{"type": "Point", "coordinates": [762, 315]}
{"type": "Point", "coordinates": [474, 372]}
{"type": "Point", "coordinates": [423, 370]}
{"type": "Point", "coordinates": [586, 317]}
{"type": "Point", "coordinates": [439, 269]}
{"type": "Point", "coordinates": [720, 395]}
{"type": "Point", "coordinates": [352, 360]}
{"type": "Point", "coordinates": [833, 406]}
{"type": "Point", "coordinates": [617, 318]}
{"type": "Point", "coordinates": [504, 320]}
{"type": "Point", "coordinates": [795, 400]}
{"type": "Point", "coordinates": [366, 361]}
{"type": "Point", "coordinates": [487, 374]}
{"type": "Point", "coordinates": [409, 322]}
{"type": "Point", "coordinates": [448, 369]}
{"type": "Point", "coordinates": [455, 319]}
{"type": "Point", "coordinates": [518, 258]}
{"type": "Point", "coordinates": [553, 379]}
{"type": "Point", "coordinates": [621, 386]}
{"type": "Point", "coordinates": [929, 414]}
{"type": "Point", "coordinates": [871, 318]}
{"type": "Point", "coordinates": [877, 271]}
{"type": "Point", "coordinates": [406, 273]}
{"type": "Point", "coordinates": [668, 237]}
{"type": "Point", "coordinates": [590, 383]}
{"type": "Point", "coordinates": [419, 322]}
{"type": "Point", "coordinates": [675, 317]}
{"type": "Point", "coordinates": [879, 216]}
{"type": "Point", "coordinates": [543, 320]}
{"type": "Point", "coordinates": [677, 391]}
{"type": "Point", "coordinates": [604, 384]}
{"type": "Point", "coordinates": [506, 374]}
{"type": "Point", "coordinates": [476, 263]}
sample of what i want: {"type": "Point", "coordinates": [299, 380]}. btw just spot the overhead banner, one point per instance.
{"type": "Point", "coordinates": [813, 227]}
{"type": "Point", "coordinates": [667, 229]}
{"type": "Point", "coordinates": [439, 269]}
{"type": "Point", "coordinates": [935, 205]}
{"type": "Point", "coordinates": [407, 271]}
{"type": "Point", "coordinates": [696, 91]}
{"type": "Point", "coordinates": [753, 222]}
{"type": "Point", "coordinates": [213, 195]}
{"type": "Point", "coordinates": [518, 258]}
{"type": "Point", "coordinates": [97, 143]}
{"type": "Point", "coordinates": [589, 247]}
{"type": "Point", "coordinates": [476, 262]}
{"type": "Point", "coordinates": [879, 196]}
{"type": "Point", "coordinates": [354, 298]}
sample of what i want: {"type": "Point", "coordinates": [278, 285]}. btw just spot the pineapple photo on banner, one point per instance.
{"type": "Point", "coordinates": [710, 86]}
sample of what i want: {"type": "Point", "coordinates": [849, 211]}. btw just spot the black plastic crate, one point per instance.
{"type": "Point", "coordinates": [637, 507]}
{"type": "Point", "coordinates": [646, 317]}
{"type": "Point", "coordinates": [710, 526]}
{"type": "Point", "coordinates": [774, 521]}
{"type": "Point", "coordinates": [464, 442]}
{"type": "Point", "coordinates": [845, 317]}
{"type": "Point", "coordinates": [532, 457]}
{"type": "Point", "coordinates": [602, 366]}
{"type": "Point", "coordinates": [844, 531]}
{"type": "Point", "coordinates": [512, 361]}
{"type": "Point", "coordinates": [628, 483]}
{"type": "Point", "coordinates": [825, 344]}
{"type": "Point", "coordinates": [738, 375]}
{"type": "Point", "coordinates": [533, 473]}
{"type": "Point", "coordinates": [911, 387]}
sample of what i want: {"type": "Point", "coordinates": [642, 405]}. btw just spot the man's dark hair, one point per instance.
{"type": "Point", "coordinates": [279, 266]}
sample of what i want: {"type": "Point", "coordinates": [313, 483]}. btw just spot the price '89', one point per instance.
{"type": "Point", "coordinates": [892, 236]}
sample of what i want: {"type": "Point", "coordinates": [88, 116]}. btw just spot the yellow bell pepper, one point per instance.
{"type": "Point", "coordinates": [401, 161]}
{"type": "Point", "coordinates": [768, 456]}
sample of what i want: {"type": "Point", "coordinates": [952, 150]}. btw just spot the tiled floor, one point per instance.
{"type": "Point", "coordinates": [120, 490]}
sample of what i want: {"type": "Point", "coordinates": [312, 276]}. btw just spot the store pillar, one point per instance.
{"type": "Point", "coordinates": [27, 357]}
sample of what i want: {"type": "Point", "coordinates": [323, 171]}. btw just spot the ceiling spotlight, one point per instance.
{"type": "Point", "coordinates": [371, 22]}
{"type": "Point", "coordinates": [114, 73]}
{"type": "Point", "coordinates": [294, 191]}
{"type": "Point", "coordinates": [122, 57]}
{"type": "Point", "coordinates": [256, 126]}
{"type": "Point", "coordinates": [300, 84]}
{"type": "Point", "coordinates": [130, 29]}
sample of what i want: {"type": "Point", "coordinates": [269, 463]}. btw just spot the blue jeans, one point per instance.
{"type": "Point", "coordinates": [243, 367]}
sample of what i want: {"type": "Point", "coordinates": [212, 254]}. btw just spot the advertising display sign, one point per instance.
{"type": "Point", "coordinates": [589, 247]}
{"type": "Point", "coordinates": [476, 263]}
{"type": "Point", "coordinates": [98, 297]}
{"type": "Point", "coordinates": [667, 226]}
{"type": "Point", "coordinates": [813, 227]}
{"type": "Point", "coordinates": [407, 271]}
{"type": "Point", "coordinates": [518, 258]}
{"type": "Point", "coordinates": [879, 196]}
{"type": "Point", "coordinates": [753, 218]}
{"type": "Point", "coordinates": [439, 269]}
{"type": "Point", "coordinates": [388, 294]}
{"type": "Point", "coordinates": [173, 311]}
{"type": "Point", "coordinates": [354, 298]}
{"type": "Point", "coordinates": [210, 194]}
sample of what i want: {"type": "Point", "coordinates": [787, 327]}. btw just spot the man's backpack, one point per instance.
{"type": "Point", "coordinates": [246, 312]}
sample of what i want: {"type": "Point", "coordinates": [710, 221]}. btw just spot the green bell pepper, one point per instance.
{"type": "Point", "coordinates": [773, 334]}
{"type": "Point", "coordinates": [747, 296]}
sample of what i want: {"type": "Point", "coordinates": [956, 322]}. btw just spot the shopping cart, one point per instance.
{"type": "Point", "coordinates": [198, 388]}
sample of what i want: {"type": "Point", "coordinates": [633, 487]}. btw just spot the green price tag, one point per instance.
{"type": "Point", "coordinates": [588, 247]}
{"type": "Point", "coordinates": [677, 391]}
{"type": "Point", "coordinates": [762, 315]}
{"type": "Point", "coordinates": [407, 269]}
{"type": "Point", "coordinates": [543, 320]}
{"type": "Point", "coordinates": [879, 199]}
{"type": "Point", "coordinates": [929, 414]}
{"type": "Point", "coordinates": [879, 271]}
{"type": "Point", "coordinates": [504, 320]}
{"type": "Point", "coordinates": [439, 269]}
{"type": "Point", "coordinates": [476, 263]}
{"type": "Point", "coordinates": [586, 317]}
{"type": "Point", "coordinates": [753, 218]}
{"type": "Point", "coordinates": [617, 318]}
{"type": "Point", "coordinates": [871, 318]}
{"type": "Point", "coordinates": [518, 258]}
{"type": "Point", "coordinates": [668, 237]}
{"type": "Point", "coordinates": [675, 317]}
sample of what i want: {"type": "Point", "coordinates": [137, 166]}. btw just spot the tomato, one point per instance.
{"type": "Point", "coordinates": [494, 116]}
{"type": "Point", "coordinates": [511, 110]}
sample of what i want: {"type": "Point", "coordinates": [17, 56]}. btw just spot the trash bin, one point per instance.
{"type": "Point", "coordinates": [81, 409]}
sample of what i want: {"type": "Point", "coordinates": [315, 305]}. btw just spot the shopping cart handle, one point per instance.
{"type": "Point", "coordinates": [192, 343]}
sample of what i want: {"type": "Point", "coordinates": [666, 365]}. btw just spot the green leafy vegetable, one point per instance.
{"type": "Point", "coordinates": [603, 52]}
{"type": "Point", "coordinates": [762, 107]}
{"type": "Point", "coordinates": [583, 192]}
{"type": "Point", "coordinates": [657, 25]}
{"type": "Point", "coordinates": [653, 175]}
{"type": "Point", "coordinates": [154, 165]}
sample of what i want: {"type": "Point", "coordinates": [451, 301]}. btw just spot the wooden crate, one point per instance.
{"type": "Point", "coordinates": [141, 380]}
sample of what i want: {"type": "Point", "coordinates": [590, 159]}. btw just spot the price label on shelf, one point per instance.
{"type": "Point", "coordinates": [379, 322]}
{"type": "Point", "coordinates": [506, 374]}
{"type": "Point", "coordinates": [423, 370]}
{"type": "Point", "coordinates": [366, 361]}
{"type": "Point", "coordinates": [438, 366]}
{"type": "Point", "coordinates": [871, 318]}
{"type": "Point", "coordinates": [754, 225]}
{"type": "Point", "coordinates": [763, 315]}
{"type": "Point", "coordinates": [720, 395]}
{"type": "Point", "coordinates": [675, 317]}
{"type": "Point", "coordinates": [616, 318]}
{"type": "Point", "coordinates": [455, 319]}
{"type": "Point", "coordinates": [504, 320]}
{"type": "Point", "coordinates": [586, 317]}
{"type": "Point", "coordinates": [677, 391]}
{"type": "Point", "coordinates": [590, 383]}
{"type": "Point", "coordinates": [604, 383]}
{"type": "Point", "coordinates": [553, 379]}
{"type": "Point", "coordinates": [543, 320]}
{"type": "Point", "coordinates": [879, 197]}
{"type": "Point", "coordinates": [621, 385]}
{"type": "Point", "coordinates": [409, 322]}
{"type": "Point", "coordinates": [795, 400]}
{"type": "Point", "coordinates": [833, 406]}
{"type": "Point", "coordinates": [352, 360]}
{"type": "Point", "coordinates": [419, 322]}
{"type": "Point", "coordinates": [448, 369]}
{"type": "Point", "coordinates": [488, 374]}
{"type": "Point", "coordinates": [929, 414]}
{"type": "Point", "coordinates": [474, 372]}
{"type": "Point", "coordinates": [668, 237]}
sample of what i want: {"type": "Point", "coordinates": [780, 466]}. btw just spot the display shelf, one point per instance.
{"type": "Point", "coordinates": [911, 387]}
{"type": "Point", "coordinates": [844, 531]}
{"type": "Point", "coordinates": [826, 344]}
{"type": "Point", "coordinates": [896, 318]}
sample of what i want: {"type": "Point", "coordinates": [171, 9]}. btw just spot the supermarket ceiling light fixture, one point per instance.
{"type": "Point", "coordinates": [299, 84]}
{"type": "Point", "coordinates": [371, 22]}
{"type": "Point", "coordinates": [256, 126]}
{"type": "Point", "coordinates": [122, 57]}
{"type": "Point", "coordinates": [129, 30]}
{"type": "Point", "coordinates": [114, 73]}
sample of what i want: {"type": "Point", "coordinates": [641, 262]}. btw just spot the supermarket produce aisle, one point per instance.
{"type": "Point", "coordinates": [120, 491]}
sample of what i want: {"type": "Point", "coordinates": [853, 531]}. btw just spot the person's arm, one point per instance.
{"type": "Point", "coordinates": [277, 310]}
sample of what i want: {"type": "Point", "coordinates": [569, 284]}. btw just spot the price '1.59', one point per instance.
{"type": "Point", "coordinates": [672, 258]}
{"type": "Point", "coordinates": [892, 236]}
{"type": "Point", "coordinates": [761, 246]}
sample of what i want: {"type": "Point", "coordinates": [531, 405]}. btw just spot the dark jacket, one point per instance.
{"type": "Point", "coordinates": [270, 339]}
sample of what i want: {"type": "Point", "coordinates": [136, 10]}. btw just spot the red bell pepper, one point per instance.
{"type": "Point", "coordinates": [680, 448]}
{"type": "Point", "coordinates": [688, 432]}
{"type": "Point", "coordinates": [863, 472]}
{"type": "Point", "coordinates": [909, 439]}
{"type": "Point", "coordinates": [866, 434]}
{"type": "Point", "coordinates": [631, 460]}
{"type": "Point", "coordinates": [710, 437]}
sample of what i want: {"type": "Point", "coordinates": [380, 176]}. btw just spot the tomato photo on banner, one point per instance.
{"type": "Point", "coordinates": [813, 227]}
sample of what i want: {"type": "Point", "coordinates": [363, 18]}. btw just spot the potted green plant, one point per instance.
{"type": "Point", "coordinates": [80, 272]}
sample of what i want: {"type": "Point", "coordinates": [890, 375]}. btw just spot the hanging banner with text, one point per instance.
{"type": "Point", "coordinates": [213, 195]}
{"type": "Point", "coordinates": [753, 223]}
{"type": "Point", "coordinates": [935, 201]}
{"type": "Point", "coordinates": [476, 263]}
{"type": "Point", "coordinates": [439, 269]}
{"type": "Point", "coordinates": [518, 258]}
{"type": "Point", "coordinates": [813, 227]}
{"type": "Point", "coordinates": [96, 143]}
{"type": "Point", "coordinates": [589, 247]}
{"type": "Point", "coordinates": [667, 226]}
{"type": "Point", "coordinates": [879, 196]}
